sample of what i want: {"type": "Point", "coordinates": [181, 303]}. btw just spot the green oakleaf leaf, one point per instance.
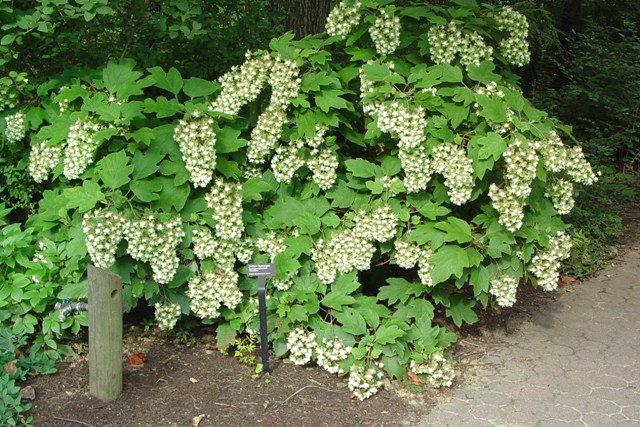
{"type": "Point", "coordinates": [447, 261]}
{"type": "Point", "coordinates": [388, 334]}
{"type": "Point", "coordinates": [362, 168]}
{"type": "Point", "coordinates": [84, 198]}
{"type": "Point", "coordinates": [457, 230]}
{"type": "Point", "coordinates": [114, 170]}
{"type": "Point", "coordinates": [461, 311]}
{"type": "Point", "coordinates": [195, 87]}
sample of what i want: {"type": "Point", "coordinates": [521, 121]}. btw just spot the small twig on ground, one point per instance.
{"type": "Point", "coordinates": [307, 386]}
{"type": "Point", "coordinates": [222, 404]}
{"type": "Point", "coordinates": [194, 403]}
{"type": "Point", "coordinates": [469, 342]}
{"type": "Point", "coordinates": [73, 421]}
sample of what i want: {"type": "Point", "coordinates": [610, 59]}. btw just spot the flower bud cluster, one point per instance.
{"type": "Point", "coordinates": [365, 381]}
{"type": "Point", "coordinates": [521, 166]}
{"type": "Point", "coordinates": [271, 244]}
{"type": "Point", "coordinates": [81, 145]}
{"type": "Point", "coordinates": [330, 353]}
{"type": "Point", "coordinates": [103, 232]}
{"type": "Point", "coordinates": [561, 194]}
{"type": "Point", "coordinates": [407, 253]}
{"type": "Point", "coordinates": [451, 161]}
{"type": "Point", "coordinates": [155, 242]}
{"type": "Point", "coordinates": [197, 140]}
{"type": "Point", "coordinates": [514, 48]}
{"type": "Point", "coordinates": [445, 42]}
{"type": "Point", "coordinates": [167, 315]}
{"type": "Point", "coordinates": [242, 84]}
{"type": "Point", "coordinates": [343, 18]}
{"type": "Point", "coordinates": [209, 291]}
{"type": "Point", "coordinates": [343, 252]}
{"type": "Point", "coordinates": [8, 97]}
{"type": "Point", "coordinates": [417, 168]}
{"type": "Point", "coordinates": [379, 225]}
{"type": "Point", "coordinates": [385, 33]}
{"type": "Point", "coordinates": [408, 126]}
{"type": "Point", "coordinates": [301, 344]}
{"type": "Point", "coordinates": [323, 165]}
{"type": "Point", "coordinates": [285, 85]}
{"type": "Point", "coordinates": [43, 159]}
{"type": "Point", "coordinates": [226, 201]}
{"type": "Point", "coordinates": [504, 289]}
{"type": "Point", "coordinates": [425, 268]}
{"type": "Point", "coordinates": [439, 369]}
{"type": "Point", "coordinates": [473, 49]}
{"type": "Point", "coordinates": [16, 129]}
{"type": "Point", "coordinates": [286, 161]}
{"type": "Point", "coordinates": [545, 265]}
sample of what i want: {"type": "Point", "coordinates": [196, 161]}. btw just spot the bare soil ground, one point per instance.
{"type": "Point", "coordinates": [185, 386]}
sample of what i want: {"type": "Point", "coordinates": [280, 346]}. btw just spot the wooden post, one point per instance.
{"type": "Point", "coordinates": [105, 334]}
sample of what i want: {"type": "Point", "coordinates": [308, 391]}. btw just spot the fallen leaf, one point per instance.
{"type": "Point", "coordinates": [197, 420]}
{"type": "Point", "coordinates": [415, 379]}
{"type": "Point", "coordinates": [27, 393]}
{"type": "Point", "coordinates": [193, 380]}
{"type": "Point", "coordinates": [10, 367]}
{"type": "Point", "coordinates": [565, 280]}
{"type": "Point", "coordinates": [136, 359]}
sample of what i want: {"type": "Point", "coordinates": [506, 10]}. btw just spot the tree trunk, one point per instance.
{"type": "Point", "coordinates": [303, 17]}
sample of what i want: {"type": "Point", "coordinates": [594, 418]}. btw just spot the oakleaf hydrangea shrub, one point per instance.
{"type": "Point", "coordinates": [391, 169]}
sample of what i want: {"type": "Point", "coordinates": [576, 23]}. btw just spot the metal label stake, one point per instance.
{"type": "Point", "coordinates": [261, 271]}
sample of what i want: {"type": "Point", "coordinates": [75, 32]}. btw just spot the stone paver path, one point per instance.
{"type": "Point", "coordinates": [577, 363]}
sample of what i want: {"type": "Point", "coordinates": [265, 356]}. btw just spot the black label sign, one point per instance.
{"type": "Point", "coordinates": [256, 270]}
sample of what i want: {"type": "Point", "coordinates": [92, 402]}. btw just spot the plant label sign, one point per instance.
{"type": "Point", "coordinates": [257, 270]}
{"type": "Point", "coordinates": [261, 271]}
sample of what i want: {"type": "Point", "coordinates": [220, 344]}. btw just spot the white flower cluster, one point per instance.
{"type": "Point", "coordinates": [80, 147]}
{"type": "Point", "coordinates": [301, 344]}
{"type": "Point", "coordinates": [43, 159]}
{"type": "Point", "coordinates": [545, 265]}
{"type": "Point", "coordinates": [226, 201]}
{"type": "Point", "coordinates": [242, 84]}
{"type": "Point", "coordinates": [318, 138]}
{"type": "Point", "coordinates": [285, 85]}
{"type": "Point", "coordinates": [271, 244]}
{"type": "Point", "coordinates": [103, 231]}
{"type": "Point", "coordinates": [417, 168]}
{"type": "Point", "coordinates": [425, 267]}
{"type": "Point", "coordinates": [343, 252]}
{"type": "Point", "coordinates": [167, 315]}
{"type": "Point", "coordinates": [561, 194]}
{"type": "Point", "coordinates": [155, 242]}
{"type": "Point", "coordinates": [515, 48]}
{"type": "Point", "coordinates": [283, 284]}
{"type": "Point", "coordinates": [504, 289]}
{"type": "Point", "coordinates": [330, 353]}
{"type": "Point", "coordinates": [205, 245]}
{"type": "Point", "coordinates": [490, 89]}
{"type": "Point", "coordinates": [8, 98]}
{"type": "Point", "coordinates": [365, 381]}
{"type": "Point", "coordinates": [286, 161]}
{"type": "Point", "coordinates": [509, 201]}
{"type": "Point", "coordinates": [578, 167]}
{"type": "Point", "coordinates": [406, 124]}
{"type": "Point", "coordinates": [197, 140]}
{"type": "Point", "coordinates": [439, 370]}
{"type": "Point", "coordinates": [474, 50]}
{"type": "Point", "coordinates": [323, 165]}
{"type": "Point", "coordinates": [15, 129]}
{"type": "Point", "coordinates": [451, 161]}
{"type": "Point", "coordinates": [209, 291]}
{"type": "Point", "coordinates": [39, 256]}
{"type": "Point", "coordinates": [554, 153]}
{"type": "Point", "coordinates": [244, 250]}
{"type": "Point", "coordinates": [385, 33]}
{"type": "Point", "coordinates": [407, 253]}
{"type": "Point", "coordinates": [343, 18]}
{"type": "Point", "coordinates": [379, 225]}
{"type": "Point", "coordinates": [444, 42]}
